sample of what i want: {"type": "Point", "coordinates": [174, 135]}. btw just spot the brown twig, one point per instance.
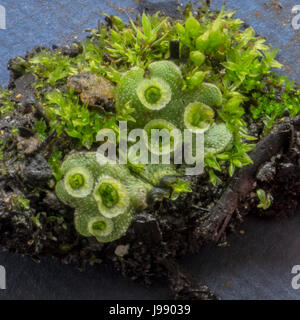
{"type": "Point", "coordinates": [216, 221]}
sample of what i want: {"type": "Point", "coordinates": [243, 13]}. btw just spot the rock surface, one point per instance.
{"type": "Point", "coordinates": [94, 91]}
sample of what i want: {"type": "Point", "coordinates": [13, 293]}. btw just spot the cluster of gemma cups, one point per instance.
{"type": "Point", "coordinates": [161, 104]}
{"type": "Point", "coordinates": [106, 196]}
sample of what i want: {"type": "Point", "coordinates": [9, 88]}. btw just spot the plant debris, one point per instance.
{"type": "Point", "coordinates": [94, 91]}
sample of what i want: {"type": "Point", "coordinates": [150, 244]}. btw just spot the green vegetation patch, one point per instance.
{"type": "Point", "coordinates": [219, 84]}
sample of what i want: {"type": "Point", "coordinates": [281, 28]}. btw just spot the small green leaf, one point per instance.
{"type": "Point", "coordinates": [193, 26]}
{"type": "Point", "coordinates": [146, 26]}
{"type": "Point", "coordinates": [264, 198]}
{"type": "Point", "coordinates": [231, 169]}
{"type": "Point", "coordinates": [197, 57]}
{"type": "Point", "coordinates": [213, 178]}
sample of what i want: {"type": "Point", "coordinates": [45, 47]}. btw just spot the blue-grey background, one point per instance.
{"type": "Point", "coordinates": [255, 265]}
{"type": "Point", "coordinates": [47, 22]}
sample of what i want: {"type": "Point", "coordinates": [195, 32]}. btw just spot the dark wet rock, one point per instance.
{"type": "Point", "coordinates": [17, 67]}
{"type": "Point", "coordinates": [72, 50]}
{"type": "Point", "coordinates": [94, 91]}
{"type": "Point", "coordinates": [167, 8]}
{"type": "Point", "coordinates": [147, 229]}
{"type": "Point", "coordinates": [255, 129]}
{"type": "Point", "coordinates": [157, 194]}
{"type": "Point", "coordinates": [36, 170]}
{"type": "Point", "coordinates": [25, 132]}
{"type": "Point", "coordinates": [23, 122]}
{"type": "Point", "coordinates": [287, 170]}
{"type": "Point", "coordinates": [266, 172]}
{"type": "Point", "coordinates": [24, 91]}
{"type": "Point", "coordinates": [51, 201]}
{"type": "Point", "coordinates": [167, 181]}
{"type": "Point", "coordinates": [92, 244]}
{"type": "Point", "coordinates": [286, 112]}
